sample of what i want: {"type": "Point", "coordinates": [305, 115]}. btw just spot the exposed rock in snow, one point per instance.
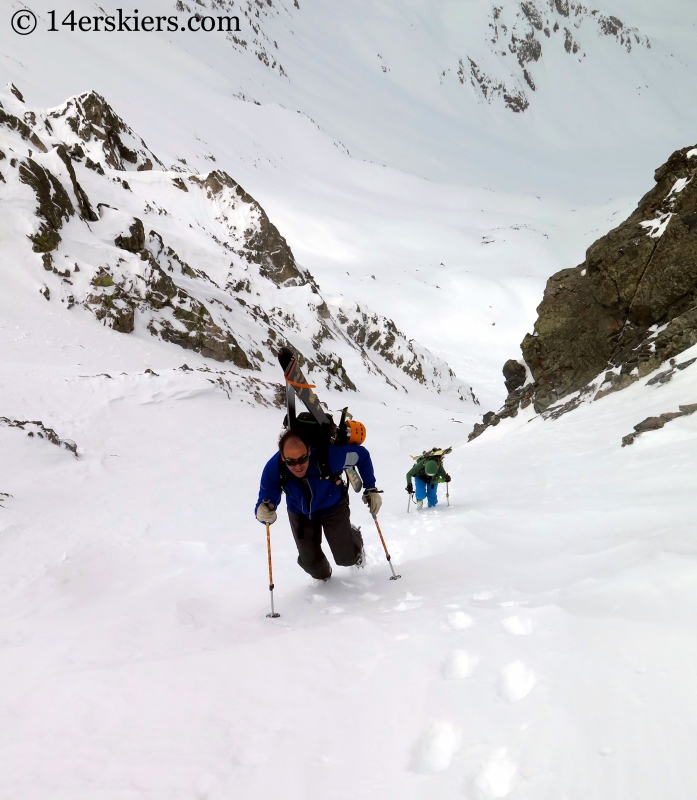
{"type": "Point", "coordinates": [190, 258]}
{"type": "Point", "coordinates": [627, 309]}
{"type": "Point", "coordinates": [635, 305]}
{"type": "Point", "coordinates": [656, 423]}
{"type": "Point", "coordinates": [89, 123]}
{"type": "Point", "coordinates": [523, 30]}
{"type": "Point", "coordinates": [514, 374]}
{"type": "Point", "coordinates": [37, 428]}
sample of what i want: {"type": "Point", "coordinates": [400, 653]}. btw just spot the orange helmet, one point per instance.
{"type": "Point", "coordinates": [356, 432]}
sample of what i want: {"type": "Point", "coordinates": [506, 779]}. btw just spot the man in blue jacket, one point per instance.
{"type": "Point", "coordinates": [317, 504]}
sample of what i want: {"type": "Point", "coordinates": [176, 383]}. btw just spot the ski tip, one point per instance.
{"type": "Point", "coordinates": [285, 356]}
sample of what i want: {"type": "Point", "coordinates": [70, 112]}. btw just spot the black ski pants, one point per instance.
{"type": "Point", "coordinates": [344, 540]}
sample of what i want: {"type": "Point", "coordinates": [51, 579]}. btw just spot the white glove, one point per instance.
{"type": "Point", "coordinates": [373, 500]}
{"type": "Point", "coordinates": [266, 513]}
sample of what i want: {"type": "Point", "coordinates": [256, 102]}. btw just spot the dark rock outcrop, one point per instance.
{"type": "Point", "coordinates": [264, 244]}
{"type": "Point", "coordinates": [95, 123]}
{"type": "Point", "coordinates": [83, 201]}
{"type": "Point", "coordinates": [514, 374]}
{"type": "Point", "coordinates": [37, 428]}
{"type": "Point", "coordinates": [54, 205]}
{"type": "Point", "coordinates": [627, 309]}
{"type": "Point", "coordinates": [517, 399]}
{"type": "Point", "coordinates": [16, 124]}
{"type": "Point", "coordinates": [640, 277]}
{"type": "Point", "coordinates": [200, 332]}
{"type": "Point", "coordinates": [135, 241]}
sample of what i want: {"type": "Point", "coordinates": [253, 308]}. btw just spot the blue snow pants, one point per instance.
{"type": "Point", "coordinates": [429, 490]}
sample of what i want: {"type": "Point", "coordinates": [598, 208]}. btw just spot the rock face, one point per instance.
{"type": "Point", "coordinates": [190, 258]}
{"type": "Point", "coordinates": [640, 277]}
{"type": "Point", "coordinates": [263, 244]}
{"type": "Point", "coordinates": [628, 308]}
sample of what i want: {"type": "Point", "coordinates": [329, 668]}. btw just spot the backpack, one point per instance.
{"type": "Point", "coordinates": [318, 426]}
{"type": "Point", "coordinates": [434, 454]}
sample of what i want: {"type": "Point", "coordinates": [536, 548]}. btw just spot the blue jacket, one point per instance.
{"type": "Point", "coordinates": [323, 494]}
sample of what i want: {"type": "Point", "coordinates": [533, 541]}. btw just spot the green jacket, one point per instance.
{"type": "Point", "coordinates": [417, 471]}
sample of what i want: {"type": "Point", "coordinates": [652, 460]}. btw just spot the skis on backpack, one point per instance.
{"type": "Point", "coordinates": [321, 429]}
{"type": "Point", "coordinates": [296, 383]}
{"type": "Point", "coordinates": [436, 453]}
{"type": "Point", "coordinates": [319, 425]}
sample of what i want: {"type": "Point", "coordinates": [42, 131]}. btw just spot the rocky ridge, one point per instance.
{"type": "Point", "coordinates": [190, 258]}
{"type": "Point", "coordinates": [627, 309]}
{"type": "Point", "coordinates": [506, 68]}
{"type": "Point", "coordinates": [523, 30]}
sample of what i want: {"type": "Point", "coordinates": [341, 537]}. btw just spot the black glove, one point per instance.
{"type": "Point", "coordinates": [447, 478]}
{"type": "Point", "coordinates": [410, 489]}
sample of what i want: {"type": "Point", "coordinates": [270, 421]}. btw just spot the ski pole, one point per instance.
{"type": "Point", "coordinates": [447, 492]}
{"type": "Point", "coordinates": [273, 613]}
{"type": "Point", "coordinates": [408, 502]}
{"type": "Point", "coordinates": [387, 555]}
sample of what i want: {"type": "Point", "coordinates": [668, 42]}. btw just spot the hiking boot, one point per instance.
{"type": "Point", "coordinates": [360, 562]}
{"type": "Point", "coordinates": [419, 504]}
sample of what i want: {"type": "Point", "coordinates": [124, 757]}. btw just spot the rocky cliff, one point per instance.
{"type": "Point", "coordinates": [104, 226]}
{"type": "Point", "coordinates": [627, 309]}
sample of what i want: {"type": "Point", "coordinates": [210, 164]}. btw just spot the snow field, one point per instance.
{"type": "Point", "coordinates": [533, 647]}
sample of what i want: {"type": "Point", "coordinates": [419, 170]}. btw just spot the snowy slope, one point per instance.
{"type": "Point", "coordinates": [538, 644]}
{"type": "Point", "coordinates": [540, 641]}
{"type": "Point", "coordinates": [182, 94]}
{"type": "Point", "coordinates": [77, 218]}
{"type": "Point", "coordinates": [383, 81]}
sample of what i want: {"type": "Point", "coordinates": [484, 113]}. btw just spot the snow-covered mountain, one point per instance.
{"type": "Point", "coordinates": [190, 258]}
{"type": "Point", "coordinates": [520, 30]}
{"type": "Point", "coordinates": [386, 83]}
{"type": "Point", "coordinates": [335, 163]}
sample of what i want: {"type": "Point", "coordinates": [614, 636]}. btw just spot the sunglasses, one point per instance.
{"type": "Point", "coordinates": [294, 462]}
